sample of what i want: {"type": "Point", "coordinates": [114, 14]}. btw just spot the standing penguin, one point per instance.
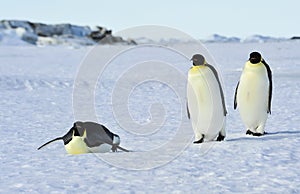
{"type": "Point", "coordinates": [89, 137]}
{"type": "Point", "coordinates": [253, 94]}
{"type": "Point", "coordinates": [205, 101]}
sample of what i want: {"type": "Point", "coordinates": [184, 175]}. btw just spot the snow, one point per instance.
{"type": "Point", "coordinates": [36, 85]}
{"type": "Point", "coordinates": [12, 37]}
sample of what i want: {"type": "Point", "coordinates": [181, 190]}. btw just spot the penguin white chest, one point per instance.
{"type": "Point", "coordinates": [252, 95]}
{"type": "Point", "coordinates": [76, 146]}
{"type": "Point", "coordinates": [198, 87]}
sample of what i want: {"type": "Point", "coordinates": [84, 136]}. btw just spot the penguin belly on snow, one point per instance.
{"type": "Point", "coordinates": [205, 101]}
{"type": "Point", "coordinates": [253, 94]}
{"type": "Point", "coordinates": [89, 137]}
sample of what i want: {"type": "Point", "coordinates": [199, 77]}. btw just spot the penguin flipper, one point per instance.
{"type": "Point", "coordinates": [270, 85]}
{"type": "Point", "coordinates": [188, 111]}
{"type": "Point", "coordinates": [58, 138]}
{"type": "Point", "coordinates": [123, 149]}
{"type": "Point", "coordinates": [220, 87]}
{"type": "Point", "coordinates": [235, 95]}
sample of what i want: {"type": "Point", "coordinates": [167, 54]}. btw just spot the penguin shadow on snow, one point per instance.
{"type": "Point", "coordinates": [267, 136]}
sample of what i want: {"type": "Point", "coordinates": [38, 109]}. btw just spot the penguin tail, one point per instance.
{"type": "Point", "coordinates": [59, 138]}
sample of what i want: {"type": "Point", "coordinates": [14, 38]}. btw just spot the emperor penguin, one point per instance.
{"type": "Point", "coordinates": [89, 137]}
{"type": "Point", "coordinates": [253, 94]}
{"type": "Point", "coordinates": [205, 101]}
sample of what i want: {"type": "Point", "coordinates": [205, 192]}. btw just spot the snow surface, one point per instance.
{"type": "Point", "coordinates": [36, 85]}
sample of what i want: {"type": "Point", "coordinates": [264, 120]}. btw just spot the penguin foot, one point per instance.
{"type": "Point", "coordinates": [248, 132]}
{"type": "Point", "coordinates": [114, 148]}
{"type": "Point", "coordinates": [200, 140]}
{"type": "Point", "coordinates": [258, 134]}
{"type": "Point", "coordinates": [220, 137]}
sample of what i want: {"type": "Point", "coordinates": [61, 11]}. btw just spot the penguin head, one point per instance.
{"type": "Point", "coordinates": [255, 57]}
{"type": "Point", "coordinates": [72, 132]}
{"type": "Point", "coordinates": [198, 60]}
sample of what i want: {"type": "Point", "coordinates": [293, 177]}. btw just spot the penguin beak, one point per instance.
{"type": "Point", "coordinates": [191, 61]}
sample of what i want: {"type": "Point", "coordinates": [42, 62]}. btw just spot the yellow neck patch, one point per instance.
{"type": "Point", "coordinates": [254, 65]}
{"type": "Point", "coordinates": [77, 145]}
{"type": "Point", "coordinates": [196, 69]}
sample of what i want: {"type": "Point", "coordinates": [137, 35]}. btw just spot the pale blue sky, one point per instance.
{"type": "Point", "coordinates": [197, 18]}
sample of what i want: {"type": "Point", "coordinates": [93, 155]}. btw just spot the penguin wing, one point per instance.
{"type": "Point", "coordinates": [270, 85]}
{"type": "Point", "coordinates": [235, 94]}
{"type": "Point", "coordinates": [58, 138]}
{"type": "Point", "coordinates": [187, 110]}
{"type": "Point", "coordinates": [220, 87]}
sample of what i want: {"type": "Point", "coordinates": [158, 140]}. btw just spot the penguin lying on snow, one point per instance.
{"type": "Point", "coordinates": [253, 94]}
{"type": "Point", "coordinates": [205, 101]}
{"type": "Point", "coordinates": [89, 137]}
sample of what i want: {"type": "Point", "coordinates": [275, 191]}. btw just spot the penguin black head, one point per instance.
{"type": "Point", "coordinates": [66, 138]}
{"type": "Point", "coordinates": [255, 57]}
{"type": "Point", "coordinates": [198, 60]}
